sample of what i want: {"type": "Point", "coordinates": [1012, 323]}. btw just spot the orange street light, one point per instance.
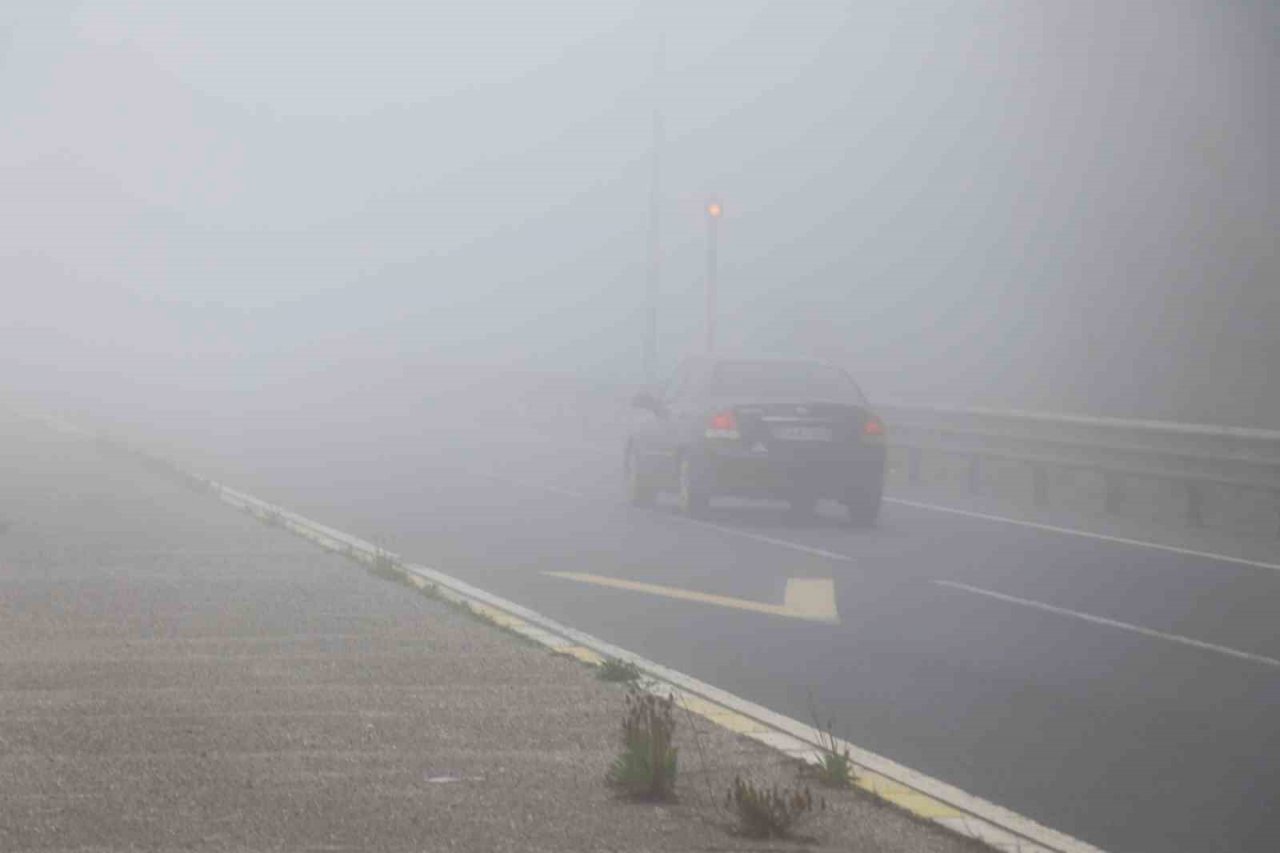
{"type": "Point", "coordinates": [714, 210]}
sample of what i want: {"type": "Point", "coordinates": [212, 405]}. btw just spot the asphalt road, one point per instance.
{"type": "Point", "coordinates": [1122, 694]}
{"type": "Point", "coordinates": [175, 675]}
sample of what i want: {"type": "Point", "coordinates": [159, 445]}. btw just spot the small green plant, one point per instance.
{"type": "Point", "coordinates": [835, 767]}
{"type": "Point", "coordinates": [646, 768]}
{"type": "Point", "coordinates": [768, 812]}
{"type": "Point", "coordinates": [385, 566]}
{"type": "Point", "coordinates": [615, 670]}
{"type": "Point", "coordinates": [835, 770]}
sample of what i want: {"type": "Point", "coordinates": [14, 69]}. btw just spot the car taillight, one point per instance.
{"type": "Point", "coordinates": [722, 425]}
{"type": "Point", "coordinates": [873, 428]}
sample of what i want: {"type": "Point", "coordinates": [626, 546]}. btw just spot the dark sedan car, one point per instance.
{"type": "Point", "coordinates": [769, 428]}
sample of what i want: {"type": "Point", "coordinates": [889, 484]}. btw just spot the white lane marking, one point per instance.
{"type": "Point", "coordinates": [732, 531]}
{"type": "Point", "coordinates": [527, 484]}
{"type": "Point", "coordinates": [810, 599]}
{"type": "Point", "coordinates": [1113, 623]}
{"type": "Point", "coordinates": [1071, 531]}
{"type": "Point", "coordinates": [985, 821]}
{"type": "Point", "coordinates": [781, 543]}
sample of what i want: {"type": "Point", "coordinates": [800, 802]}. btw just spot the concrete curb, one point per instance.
{"type": "Point", "coordinates": [925, 797]}
{"type": "Point", "coordinates": [928, 799]}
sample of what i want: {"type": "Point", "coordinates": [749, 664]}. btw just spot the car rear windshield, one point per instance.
{"type": "Point", "coordinates": [787, 380]}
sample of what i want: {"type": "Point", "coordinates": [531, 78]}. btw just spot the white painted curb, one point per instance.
{"type": "Point", "coordinates": [963, 813]}
{"type": "Point", "coordinates": [984, 821]}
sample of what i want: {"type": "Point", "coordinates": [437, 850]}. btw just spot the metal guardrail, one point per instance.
{"type": "Point", "coordinates": [1195, 457]}
{"type": "Point", "coordinates": [1193, 465]}
{"type": "Point", "coordinates": [1117, 424]}
{"type": "Point", "coordinates": [1198, 463]}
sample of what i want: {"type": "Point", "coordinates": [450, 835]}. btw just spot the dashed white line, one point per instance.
{"type": "Point", "coordinates": [527, 484]}
{"type": "Point", "coordinates": [1113, 623]}
{"type": "Point", "coordinates": [781, 543]}
{"type": "Point", "coordinates": [1062, 611]}
{"type": "Point", "coordinates": [1071, 531]}
{"type": "Point", "coordinates": [1000, 519]}
{"type": "Point", "coordinates": [732, 531]}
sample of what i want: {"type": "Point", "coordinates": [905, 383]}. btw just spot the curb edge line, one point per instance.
{"type": "Point", "coordinates": [926, 798]}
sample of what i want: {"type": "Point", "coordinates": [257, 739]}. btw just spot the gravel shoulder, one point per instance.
{"type": "Point", "coordinates": [177, 676]}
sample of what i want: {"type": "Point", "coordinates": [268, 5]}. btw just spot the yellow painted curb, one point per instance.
{"type": "Point", "coordinates": [1003, 830]}
{"type": "Point", "coordinates": [722, 716]}
{"type": "Point", "coordinates": [900, 795]}
{"type": "Point", "coordinates": [583, 654]}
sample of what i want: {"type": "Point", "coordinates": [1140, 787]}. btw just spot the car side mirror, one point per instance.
{"type": "Point", "coordinates": [648, 402]}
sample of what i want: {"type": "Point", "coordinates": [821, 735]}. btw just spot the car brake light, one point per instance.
{"type": "Point", "coordinates": [873, 427]}
{"type": "Point", "coordinates": [724, 421]}
{"type": "Point", "coordinates": [722, 425]}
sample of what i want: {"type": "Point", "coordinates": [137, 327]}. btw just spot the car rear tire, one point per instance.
{"type": "Point", "coordinates": [863, 507]}
{"type": "Point", "coordinates": [640, 490]}
{"type": "Point", "coordinates": [693, 497]}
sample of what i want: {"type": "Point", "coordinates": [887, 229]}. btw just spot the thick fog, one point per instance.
{"type": "Point", "coordinates": [1058, 206]}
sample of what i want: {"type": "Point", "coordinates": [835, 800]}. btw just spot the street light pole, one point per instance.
{"type": "Point", "coordinates": [714, 210]}
{"type": "Point", "coordinates": [653, 273]}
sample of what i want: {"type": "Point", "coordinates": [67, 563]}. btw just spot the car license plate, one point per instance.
{"type": "Point", "coordinates": [802, 433]}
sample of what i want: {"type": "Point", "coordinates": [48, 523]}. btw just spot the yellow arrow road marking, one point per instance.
{"type": "Point", "coordinates": [812, 599]}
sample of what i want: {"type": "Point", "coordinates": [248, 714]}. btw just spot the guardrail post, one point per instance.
{"type": "Point", "coordinates": [1117, 451]}
{"type": "Point", "coordinates": [1111, 498]}
{"type": "Point", "coordinates": [1195, 504]}
{"type": "Point", "coordinates": [1040, 485]}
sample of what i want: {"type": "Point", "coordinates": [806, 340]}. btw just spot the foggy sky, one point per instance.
{"type": "Point", "coordinates": [1065, 206]}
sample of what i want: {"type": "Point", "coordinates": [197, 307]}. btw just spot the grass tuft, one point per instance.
{"type": "Point", "coordinates": [196, 483]}
{"type": "Point", "coordinates": [618, 671]}
{"type": "Point", "coordinates": [646, 767]}
{"type": "Point", "coordinates": [386, 566]}
{"type": "Point", "coordinates": [768, 812]}
{"type": "Point", "coordinates": [835, 769]}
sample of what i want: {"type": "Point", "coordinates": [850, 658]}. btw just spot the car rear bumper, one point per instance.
{"type": "Point", "coordinates": [734, 471]}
